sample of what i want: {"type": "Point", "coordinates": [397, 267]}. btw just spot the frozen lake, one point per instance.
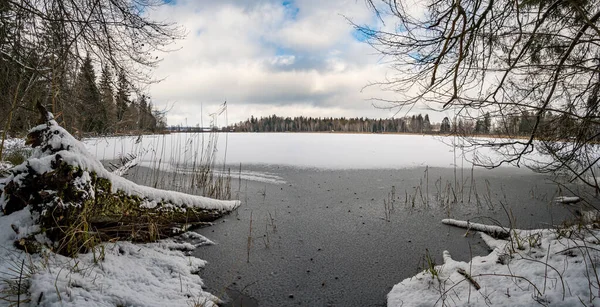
{"type": "Point", "coordinates": [314, 209]}
{"type": "Point", "coordinates": [305, 150]}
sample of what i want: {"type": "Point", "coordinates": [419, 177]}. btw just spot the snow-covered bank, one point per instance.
{"type": "Point", "coordinates": [117, 274]}
{"type": "Point", "coordinates": [547, 267]}
{"type": "Point", "coordinates": [62, 202]}
{"type": "Point", "coordinates": [60, 145]}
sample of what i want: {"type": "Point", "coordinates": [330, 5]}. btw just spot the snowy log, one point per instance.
{"type": "Point", "coordinates": [78, 203]}
{"type": "Point", "coordinates": [567, 199]}
{"type": "Point", "coordinates": [494, 231]}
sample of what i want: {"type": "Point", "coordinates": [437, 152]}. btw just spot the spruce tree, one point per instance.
{"type": "Point", "coordinates": [107, 97]}
{"type": "Point", "coordinates": [131, 117]}
{"type": "Point", "coordinates": [143, 113]}
{"type": "Point", "coordinates": [88, 99]}
{"type": "Point", "coordinates": [487, 123]}
{"type": "Point", "coordinates": [152, 124]}
{"type": "Point", "coordinates": [426, 123]}
{"type": "Point", "coordinates": [445, 127]}
{"type": "Point", "coordinates": [122, 97]}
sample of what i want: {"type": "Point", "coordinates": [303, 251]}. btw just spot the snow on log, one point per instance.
{"type": "Point", "coordinates": [494, 231]}
{"type": "Point", "coordinates": [78, 203]}
{"type": "Point", "coordinates": [567, 199]}
{"type": "Point", "coordinates": [127, 163]}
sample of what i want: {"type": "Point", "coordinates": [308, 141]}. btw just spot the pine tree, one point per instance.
{"type": "Point", "coordinates": [152, 124]}
{"type": "Point", "coordinates": [131, 117]}
{"type": "Point", "coordinates": [487, 123]}
{"type": "Point", "coordinates": [107, 97]}
{"type": "Point", "coordinates": [63, 68]}
{"type": "Point", "coordinates": [88, 98]}
{"type": "Point", "coordinates": [143, 109]}
{"type": "Point", "coordinates": [426, 124]}
{"type": "Point", "coordinates": [122, 96]}
{"type": "Point", "coordinates": [445, 127]}
{"type": "Point", "coordinates": [146, 119]}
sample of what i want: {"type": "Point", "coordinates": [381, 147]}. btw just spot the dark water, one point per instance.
{"type": "Point", "coordinates": [325, 238]}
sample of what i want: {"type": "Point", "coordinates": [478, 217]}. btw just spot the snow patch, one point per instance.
{"type": "Point", "coordinates": [490, 229]}
{"type": "Point", "coordinates": [111, 274]}
{"type": "Point", "coordinates": [115, 274]}
{"type": "Point", "coordinates": [62, 144]}
{"type": "Point", "coordinates": [551, 267]}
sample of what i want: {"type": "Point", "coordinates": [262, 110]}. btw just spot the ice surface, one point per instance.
{"type": "Point", "coordinates": [307, 150]}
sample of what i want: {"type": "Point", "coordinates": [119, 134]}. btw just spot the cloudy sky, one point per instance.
{"type": "Point", "coordinates": [285, 57]}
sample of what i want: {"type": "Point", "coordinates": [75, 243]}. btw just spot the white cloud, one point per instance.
{"type": "Point", "coordinates": [264, 59]}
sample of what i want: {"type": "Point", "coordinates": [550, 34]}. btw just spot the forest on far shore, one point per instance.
{"type": "Point", "coordinates": [512, 125]}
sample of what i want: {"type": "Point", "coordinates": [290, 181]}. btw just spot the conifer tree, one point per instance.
{"type": "Point", "coordinates": [41, 45]}
{"type": "Point", "coordinates": [426, 124]}
{"type": "Point", "coordinates": [152, 124]}
{"type": "Point", "coordinates": [88, 99]}
{"type": "Point", "coordinates": [445, 127]}
{"type": "Point", "coordinates": [122, 96]}
{"type": "Point", "coordinates": [107, 97]}
{"type": "Point", "coordinates": [131, 117]}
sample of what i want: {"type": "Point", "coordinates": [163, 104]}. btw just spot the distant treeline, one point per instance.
{"type": "Point", "coordinates": [515, 124]}
{"type": "Point", "coordinates": [274, 123]}
{"type": "Point", "coordinates": [411, 124]}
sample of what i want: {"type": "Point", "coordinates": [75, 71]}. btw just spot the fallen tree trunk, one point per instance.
{"type": "Point", "coordinates": [494, 231]}
{"type": "Point", "coordinates": [77, 203]}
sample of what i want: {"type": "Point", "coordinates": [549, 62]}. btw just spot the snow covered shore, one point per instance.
{"type": "Point", "coordinates": [547, 267]}
{"type": "Point", "coordinates": [48, 207]}
{"type": "Point", "coordinates": [116, 274]}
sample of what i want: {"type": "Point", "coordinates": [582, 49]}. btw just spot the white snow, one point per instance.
{"type": "Point", "coordinates": [257, 176]}
{"type": "Point", "coordinates": [567, 199]}
{"type": "Point", "coordinates": [306, 150]}
{"type": "Point", "coordinates": [476, 226]}
{"type": "Point", "coordinates": [125, 274]}
{"type": "Point", "coordinates": [11, 145]}
{"type": "Point", "coordinates": [114, 273]}
{"type": "Point", "coordinates": [550, 267]}
{"type": "Point", "coordinates": [4, 165]}
{"type": "Point", "coordinates": [75, 153]}
{"type": "Point", "coordinates": [14, 144]}
{"type": "Point", "coordinates": [129, 164]}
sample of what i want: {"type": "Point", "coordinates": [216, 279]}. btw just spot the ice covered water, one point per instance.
{"type": "Point", "coordinates": [306, 150]}
{"type": "Point", "coordinates": [315, 204]}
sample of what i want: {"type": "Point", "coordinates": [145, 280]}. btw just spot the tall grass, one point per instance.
{"type": "Point", "coordinates": [183, 162]}
{"type": "Point", "coordinates": [15, 281]}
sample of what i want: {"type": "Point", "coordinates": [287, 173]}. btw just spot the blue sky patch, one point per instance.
{"type": "Point", "coordinates": [364, 34]}
{"type": "Point", "coordinates": [400, 28]}
{"type": "Point", "coordinates": [291, 10]}
{"type": "Point", "coordinates": [368, 30]}
{"type": "Point", "coordinates": [279, 51]}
